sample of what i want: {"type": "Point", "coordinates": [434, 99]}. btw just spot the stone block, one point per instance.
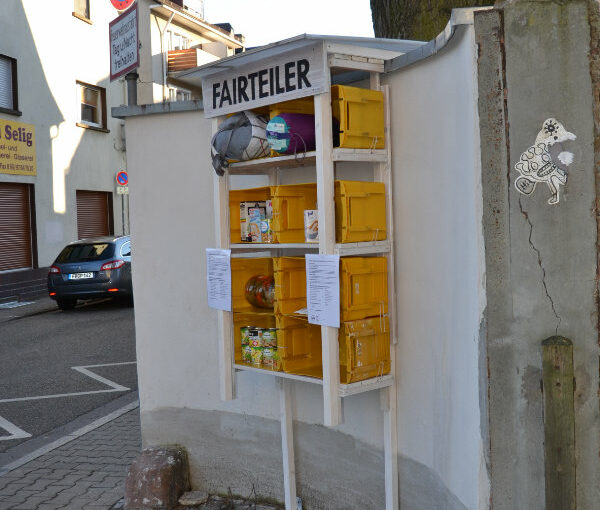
{"type": "Point", "coordinates": [194, 498]}
{"type": "Point", "coordinates": [156, 479]}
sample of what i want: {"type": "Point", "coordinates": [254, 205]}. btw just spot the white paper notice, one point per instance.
{"type": "Point", "coordinates": [218, 278]}
{"type": "Point", "coordinates": [323, 289]}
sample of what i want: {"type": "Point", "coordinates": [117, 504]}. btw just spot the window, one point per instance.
{"type": "Point", "coordinates": [177, 41]}
{"type": "Point", "coordinates": [8, 85]}
{"type": "Point", "coordinates": [126, 249]}
{"type": "Point", "coordinates": [81, 9]}
{"type": "Point", "coordinates": [92, 102]}
{"type": "Point", "coordinates": [177, 94]}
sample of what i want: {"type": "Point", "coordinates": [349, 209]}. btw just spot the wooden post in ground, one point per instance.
{"type": "Point", "coordinates": [559, 423]}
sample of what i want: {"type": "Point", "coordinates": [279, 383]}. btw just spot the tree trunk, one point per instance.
{"type": "Point", "coordinates": [415, 19]}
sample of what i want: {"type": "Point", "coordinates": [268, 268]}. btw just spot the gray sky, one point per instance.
{"type": "Point", "coordinates": [266, 21]}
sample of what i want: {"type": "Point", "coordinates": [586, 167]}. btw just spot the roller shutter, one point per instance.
{"type": "Point", "coordinates": [15, 226]}
{"type": "Point", "coordinates": [94, 216]}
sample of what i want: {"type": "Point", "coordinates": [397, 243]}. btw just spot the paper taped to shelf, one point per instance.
{"type": "Point", "coordinates": [218, 278]}
{"type": "Point", "coordinates": [323, 289]}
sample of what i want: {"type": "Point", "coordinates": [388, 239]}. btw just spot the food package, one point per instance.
{"type": "Point", "coordinates": [311, 226]}
{"type": "Point", "coordinates": [255, 221]}
{"type": "Point", "coordinates": [260, 291]}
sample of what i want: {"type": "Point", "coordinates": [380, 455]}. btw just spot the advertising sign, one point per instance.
{"type": "Point", "coordinates": [295, 74]}
{"type": "Point", "coordinates": [124, 43]}
{"type": "Point", "coordinates": [17, 148]}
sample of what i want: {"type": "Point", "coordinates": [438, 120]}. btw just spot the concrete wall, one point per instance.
{"type": "Point", "coordinates": [541, 258]}
{"type": "Point", "coordinates": [46, 40]}
{"type": "Point", "coordinates": [439, 281]}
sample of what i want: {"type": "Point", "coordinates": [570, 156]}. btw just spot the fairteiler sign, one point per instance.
{"type": "Point", "coordinates": [17, 148]}
{"type": "Point", "coordinates": [295, 74]}
{"type": "Point", "coordinates": [124, 43]}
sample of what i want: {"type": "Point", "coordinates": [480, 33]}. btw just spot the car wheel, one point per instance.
{"type": "Point", "coordinates": [66, 303]}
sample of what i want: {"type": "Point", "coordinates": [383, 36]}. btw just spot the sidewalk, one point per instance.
{"type": "Point", "coordinates": [85, 473]}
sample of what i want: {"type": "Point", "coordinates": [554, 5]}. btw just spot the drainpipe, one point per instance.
{"type": "Point", "coordinates": [163, 53]}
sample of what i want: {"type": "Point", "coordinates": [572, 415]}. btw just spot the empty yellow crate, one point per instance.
{"type": "Point", "coordinates": [359, 211]}
{"type": "Point", "coordinates": [242, 269]}
{"type": "Point", "coordinates": [363, 287]}
{"type": "Point", "coordinates": [360, 115]}
{"type": "Point", "coordinates": [304, 105]}
{"type": "Point", "coordinates": [258, 320]}
{"type": "Point", "coordinates": [364, 349]}
{"type": "Point", "coordinates": [289, 203]}
{"type": "Point", "coordinates": [299, 346]}
{"type": "Point", "coordinates": [290, 284]}
{"type": "Point", "coordinates": [236, 197]}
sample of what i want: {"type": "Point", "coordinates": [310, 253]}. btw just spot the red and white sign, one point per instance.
{"type": "Point", "coordinates": [122, 178]}
{"type": "Point", "coordinates": [124, 43]}
{"type": "Point", "coordinates": [121, 5]}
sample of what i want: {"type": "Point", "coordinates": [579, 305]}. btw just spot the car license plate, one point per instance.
{"type": "Point", "coordinates": [80, 276]}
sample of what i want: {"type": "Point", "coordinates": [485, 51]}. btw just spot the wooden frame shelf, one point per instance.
{"type": "Point", "coordinates": [342, 249]}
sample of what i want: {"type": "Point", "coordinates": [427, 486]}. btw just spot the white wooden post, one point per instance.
{"type": "Point", "coordinates": [390, 445]}
{"type": "Point", "coordinates": [224, 319]}
{"type": "Point", "coordinates": [287, 444]}
{"type": "Point", "coordinates": [326, 204]}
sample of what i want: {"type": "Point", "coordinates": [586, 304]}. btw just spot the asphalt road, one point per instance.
{"type": "Point", "coordinates": [40, 390]}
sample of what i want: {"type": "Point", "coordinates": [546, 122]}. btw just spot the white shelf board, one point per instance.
{"type": "Point", "coordinates": [346, 390]}
{"type": "Point", "coordinates": [376, 383]}
{"type": "Point", "coordinates": [274, 246]}
{"type": "Point", "coordinates": [306, 159]}
{"type": "Point", "coordinates": [363, 248]}
{"type": "Point", "coordinates": [284, 375]}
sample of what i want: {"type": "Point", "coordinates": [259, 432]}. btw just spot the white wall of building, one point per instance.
{"type": "Point", "coordinates": [439, 282]}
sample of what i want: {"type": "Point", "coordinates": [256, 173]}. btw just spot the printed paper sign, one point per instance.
{"type": "Point", "coordinates": [323, 289]}
{"type": "Point", "coordinates": [218, 280]}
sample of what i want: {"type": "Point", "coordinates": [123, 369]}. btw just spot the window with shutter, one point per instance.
{"type": "Point", "coordinates": [8, 82]}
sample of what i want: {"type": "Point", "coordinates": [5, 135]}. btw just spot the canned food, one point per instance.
{"type": "Point", "coordinates": [255, 337]}
{"type": "Point", "coordinates": [244, 334]}
{"type": "Point", "coordinates": [247, 354]}
{"type": "Point", "coordinates": [256, 355]}
{"type": "Point", "coordinates": [269, 337]}
{"type": "Point", "coordinates": [270, 358]}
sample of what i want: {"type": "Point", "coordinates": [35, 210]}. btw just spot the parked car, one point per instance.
{"type": "Point", "coordinates": [91, 268]}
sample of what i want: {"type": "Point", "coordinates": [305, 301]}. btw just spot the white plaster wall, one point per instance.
{"type": "Point", "coordinates": [54, 49]}
{"type": "Point", "coordinates": [439, 275]}
{"type": "Point", "coordinates": [439, 264]}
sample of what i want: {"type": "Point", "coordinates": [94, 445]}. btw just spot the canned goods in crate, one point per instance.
{"type": "Point", "coordinates": [244, 334]}
{"type": "Point", "coordinates": [257, 356]}
{"type": "Point", "coordinates": [270, 358]}
{"type": "Point", "coordinates": [247, 354]}
{"type": "Point", "coordinates": [269, 337]}
{"type": "Point", "coordinates": [255, 337]}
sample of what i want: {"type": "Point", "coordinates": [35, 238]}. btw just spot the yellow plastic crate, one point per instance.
{"type": "Point", "coordinates": [290, 284]}
{"type": "Point", "coordinates": [304, 105]}
{"type": "Point", "coordinates": [299, 346]}
{"type": "Point", "coordinates": [360, 211]}
{"type": "Point", "coordinates": [364, 349]}
{"type": "Point", "coordinates": [261, 320]}
{"type": "Point", "coordinates": [363, 287]}
{"type": "Point", "coordinates": [289, 203]}
{"type": "Point", "coordinates": [242, 269]}
{"type": "Point", "coordinates": [236, 197]}
{"type": "Point", "coordinates": [360, 115]}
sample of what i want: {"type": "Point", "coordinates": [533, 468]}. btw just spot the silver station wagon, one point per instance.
{"type": "Point", "coordinates": [91, 268]}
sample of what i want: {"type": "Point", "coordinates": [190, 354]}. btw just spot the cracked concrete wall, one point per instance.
{"type": "Point", "coordinates": [541, 259]}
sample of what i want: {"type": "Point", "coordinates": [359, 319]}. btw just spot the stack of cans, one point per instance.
{"type": "Point", "coordinates": [259, 347]}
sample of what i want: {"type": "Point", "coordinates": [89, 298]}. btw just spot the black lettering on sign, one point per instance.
{"type": "Point", "coordinates": [268, 82]}
{"type": "Point", "coordinates": [289, 76]}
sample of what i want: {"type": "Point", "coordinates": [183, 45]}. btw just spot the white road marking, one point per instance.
{"type": "Point", "coordinates": [114, 387]}
{"type": "Point", "coordinates": [69, 437]}
{"type": "Point", "coordinates": [14, 431]}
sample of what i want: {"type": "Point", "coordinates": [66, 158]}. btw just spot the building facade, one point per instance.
{"type": "Point", "coordinates": [60, 149]}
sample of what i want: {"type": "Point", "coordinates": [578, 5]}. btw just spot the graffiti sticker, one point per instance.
{"type": "Point", "coordinates": [543, 163]}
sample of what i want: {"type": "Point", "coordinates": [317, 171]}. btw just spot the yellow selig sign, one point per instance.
{"type": "Point", "coordinates": [17, 148]}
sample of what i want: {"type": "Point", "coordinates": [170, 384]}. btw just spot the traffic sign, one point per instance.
{"type": "Point", "coordinates": [122, 178]}
{"type": "Point", "coordinates": [121, 4]}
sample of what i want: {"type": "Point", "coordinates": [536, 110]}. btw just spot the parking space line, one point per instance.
{"type": "Point", "coordinates": [114, 387]}
{"type": "Point", "coordinates": [14, 431]}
